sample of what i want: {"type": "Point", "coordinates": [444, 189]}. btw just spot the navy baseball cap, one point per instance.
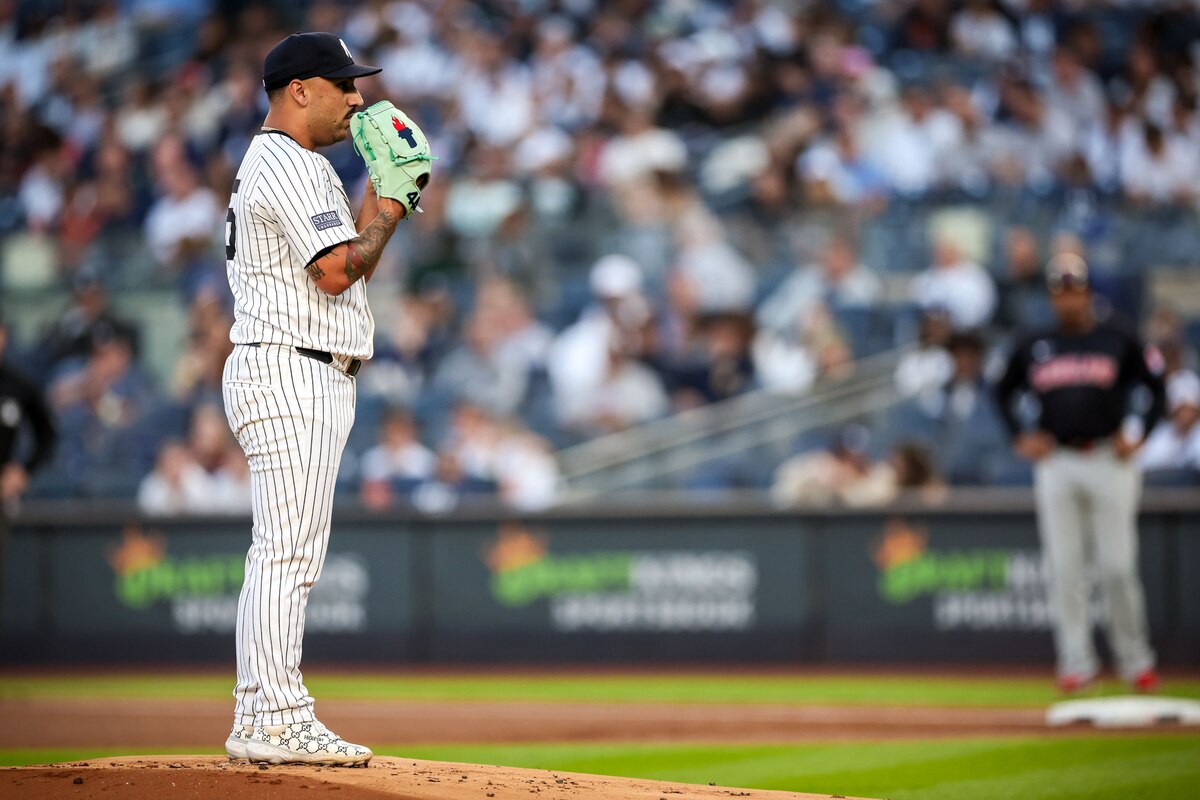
{"type": "Point", "coordinates": [311, 55]}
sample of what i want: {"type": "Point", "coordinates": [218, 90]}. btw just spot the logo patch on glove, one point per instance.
{"type": "Point", "coordinates": [405, 132]}
{"type": "Point", "coordinates": [326, 220]}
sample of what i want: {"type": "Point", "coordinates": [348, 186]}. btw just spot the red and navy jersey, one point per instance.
{"type": "Point", "coordinates": [1083, 382]}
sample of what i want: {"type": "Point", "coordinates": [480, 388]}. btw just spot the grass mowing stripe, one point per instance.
{"type": "Point", "coordinates": [1168, 775]}
{"type": "Point", "coordinates": [1074, 768]}
{"type": "Point", "coordinates": [25, 756]}
{"type": "Point", "coordinates": [1104, 767]}
{"type": "Point", "coordinates": [829, 690]}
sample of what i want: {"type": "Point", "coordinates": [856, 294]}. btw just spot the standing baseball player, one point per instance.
{"type": "Point", "coordinates": [297, 262]}
{"type": "Point", "coordinates": [1087, 484]}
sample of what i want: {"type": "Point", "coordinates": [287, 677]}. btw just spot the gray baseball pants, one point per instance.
{"type": "Point", "coordinates": [1088, 500]}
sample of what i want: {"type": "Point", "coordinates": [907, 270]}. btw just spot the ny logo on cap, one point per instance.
{"type": "Point", "coordinates": [346, 49]}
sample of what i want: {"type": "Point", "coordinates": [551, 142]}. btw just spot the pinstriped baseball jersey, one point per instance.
{"type": "Point", "coordinates": [287, 206]}
{"type": "Point", "coordinates": [290, 413]}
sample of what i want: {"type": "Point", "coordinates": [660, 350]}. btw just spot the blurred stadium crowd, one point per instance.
{"type": "Point", "coordinates": [640, 207]}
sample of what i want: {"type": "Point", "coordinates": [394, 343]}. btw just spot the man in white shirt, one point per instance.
{"type": "Point", "coordinates": [1175, 442]}
{"type": "Point", "coordinates": [956, 284]}
{"type": "Point", "coordinates": [839, 280]}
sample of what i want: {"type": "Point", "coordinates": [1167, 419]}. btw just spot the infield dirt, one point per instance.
{"type": "Point", "coordinates": [179, 724]}
{"type": "Point", "coordinates": [208, 778]}
{"type": "Point", "coordinates": [86, 724]}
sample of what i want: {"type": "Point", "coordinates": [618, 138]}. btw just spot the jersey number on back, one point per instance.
{"type": "Point", "coordinates": [231, 226]}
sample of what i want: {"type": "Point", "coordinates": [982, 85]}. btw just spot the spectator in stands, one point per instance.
{"type": "Point", "coordinates": [177, 485]}
{"type": "Point", "coordinates": [41, 186]}
{"type": "Point", "coordinates": [791, 362]}
{"type": "Point", "coordinates": [142, 117]}
{"type": "Point", "coordinates": [210, 440]}
{"type": "Point", "coordinates": [1159, 170]}
{"type": "Point", "coordinates": [838, 280]}
{"type": "Point", "coordinates": [397, 371]}
{"type": "Point", "coordinates": [232, 492]}
{"type": "Point", "coordinates": [964, 160]}
{"type": "Point", "coordinates": [472, 440]}
{"type": "Point", "coordinates": [1022, 303]}
{"type": "Point", "coordinates": [628, 392]}
{"type": "Point", "coordinates": [971, 433]}
{"type": "Point", "coordinates": [447, 487]}
{"type": "Point", "coordinates": [906, 142]}
{"type": "Point", "coordinates": [981, 31]}
{"type": "Point", "coordinates": [87, 320]}
{"type": "Point", "coordinates": [523, 341]}
{"type": "Point", "coordinates": [837, 172]}
{"type": "Point", "coordinates": [479, 371]}
{"type": "Point", "coordinates": [845, 473]}
{"type": "Point", "coordinates": [1147, 90]}
{"type": "Point", "coordinates": [182, 223]}
{"type": "Point", "coordinates": [924, 26]}
{"type": "Point", "coordinates": [527, 475]}
{"type": "Point", "coordinates": [957, 285]}
{"type": "Point", "coordinates": [928, 366]}
{"type": "Point", "coordinates": [197, 374]}
{"type": "Point", "coordinates": [397, 464]}
{"type": "Point", "coordinates": [915, 471]}
{"type": "Point", "coordinates": [641, 149]}
{"type": "Point", "coordinates": [1102, 143]}
{"type": "Point", "coordinates": [722, 280]}
{"type": "Point", "coordinates": [108, 390]}
{"type": "Point", "coordinates": [482, 200]}
{"type": "Point", "coordinates": [1074, 88]}
{"type": "Point", "coordinates": [1185, 120]}
{"type": "Point", "coordinates": [118, 195]}
{"type": "Point", "coordinates": [493, 89]}
{"type": "Point", "coordinates": [1166, 329]}
{"type": "Point", "coordinates": [578, 361]}
{"type": "Point", "coordinates": [210, 467]}
{"type": "Point", "coordinates": [483, 456]}
{"type": "Point", "coordinates": [466, 461]}
{"type": "Point", "coordinates": [1174, 444]}
{"type": "Point", "coordinates": [718, 365]}
{"type": "Point", "coordinates": [1032, 140]}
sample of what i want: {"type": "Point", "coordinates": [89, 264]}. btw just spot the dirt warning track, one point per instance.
{"type": "Point", "coordinates": [145, 723]}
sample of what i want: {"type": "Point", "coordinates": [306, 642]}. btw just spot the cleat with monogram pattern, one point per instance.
{"type": "Point", "coordinates": [239, 737]}
{"type": "Point", "coordinates": [304, 743]}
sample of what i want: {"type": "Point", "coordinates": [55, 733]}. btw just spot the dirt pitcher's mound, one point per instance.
{"type": "Point", "coordinates": [208, 778]}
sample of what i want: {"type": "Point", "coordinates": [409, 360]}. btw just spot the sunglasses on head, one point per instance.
{"type": "Point", "coordinates": [1059, 284]}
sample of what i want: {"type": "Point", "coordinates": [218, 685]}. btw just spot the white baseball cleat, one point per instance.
{"type": "Point", "coordinates": [304, 743]}
{"type": "Point", "coordinates": [239, 737]}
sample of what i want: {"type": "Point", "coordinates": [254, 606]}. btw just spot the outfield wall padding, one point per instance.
{"type": "Point", "coordinates": [963, 583]}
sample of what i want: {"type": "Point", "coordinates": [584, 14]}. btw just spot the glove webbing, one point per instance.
{"type": "Point", "coordinates": [395, 159]}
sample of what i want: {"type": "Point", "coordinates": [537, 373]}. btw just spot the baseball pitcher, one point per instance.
{"type": "Point", "coordinates": [297, 261]}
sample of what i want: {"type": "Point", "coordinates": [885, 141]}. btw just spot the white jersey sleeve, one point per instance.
{"type": "Point", "coordinates": [311, 208]}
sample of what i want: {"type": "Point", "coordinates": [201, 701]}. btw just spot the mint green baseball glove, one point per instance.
{"type": "Point", "coordinates": [395, 151]}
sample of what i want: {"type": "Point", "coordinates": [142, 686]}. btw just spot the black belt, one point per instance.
{"type": "Point", "coordinates": [325, 358]}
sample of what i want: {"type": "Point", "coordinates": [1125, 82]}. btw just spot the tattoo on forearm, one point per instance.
{"type": "Point", "coordinates": [362, 254]}
{"type": "Point", "coordinates": [315, 271]}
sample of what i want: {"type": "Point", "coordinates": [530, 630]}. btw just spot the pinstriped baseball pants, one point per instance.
{"type": "Point", "coordinates": [291, 415]}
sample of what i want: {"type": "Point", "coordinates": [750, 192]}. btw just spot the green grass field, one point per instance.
{"type": "Point", "coordinates": [1097, 767]}
{"type": "Point", "coordinates": [899, 690]}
